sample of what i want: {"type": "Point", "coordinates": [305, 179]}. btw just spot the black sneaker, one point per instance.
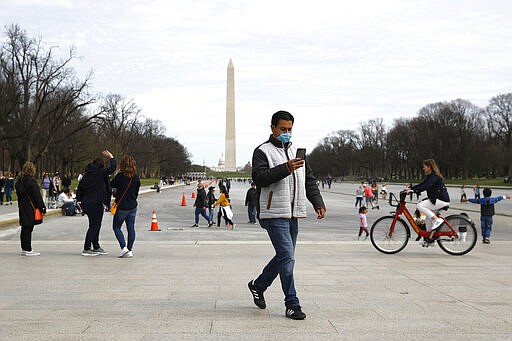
{"type": "Point", "coordinates": [100, 251]}
{"type": "Point", "coordinates": [295, 313]}
{"type": "Point", "coordinates": [89, 253]}
{"type": "Point", "coordinates": [259, 300]}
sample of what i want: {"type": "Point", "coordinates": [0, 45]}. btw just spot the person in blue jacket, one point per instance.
{"type": "Point", "coordinates": [486, 212]}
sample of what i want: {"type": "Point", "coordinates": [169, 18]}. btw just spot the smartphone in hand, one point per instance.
{"type": "Point", "coordinates": [301, 153]}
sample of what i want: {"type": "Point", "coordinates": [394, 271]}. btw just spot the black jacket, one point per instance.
{"type": "Point", "coordinates": [251, 198]}
{"type": "Point", "coordinates": [120, 182]}
{"type": "Point", "coordinates": [434, 185]}
{"type": "Point", "coordinates": [27, 187]}
{"type": "Point", "coordinates": [94, 184]}
{"type": "Point", "coordinates": [201, 199]}
{"type": "Point", "coordinates": [210, 198]}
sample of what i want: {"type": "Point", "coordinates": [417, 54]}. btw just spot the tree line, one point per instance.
{"type": "Point", "coordinates": [466, 140]}
{"type": "Point", "coordinates": [49, 116]}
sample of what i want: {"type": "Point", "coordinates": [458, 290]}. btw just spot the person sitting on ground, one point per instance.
{"type": "Point", "coordinates": [436, 192]}
{"type": "Point", "coordinates": [66, 202]}
{"type": "Point", "coordinates": [156, 186]}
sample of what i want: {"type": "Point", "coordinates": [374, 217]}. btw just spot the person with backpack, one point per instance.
{"type": "Point", "coordinates": [487, 212]}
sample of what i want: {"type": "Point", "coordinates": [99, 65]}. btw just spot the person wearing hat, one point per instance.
{"type": "Point", "coordinates": [200, 204]}
{"type": "Point", "coordinates": [210, 199]}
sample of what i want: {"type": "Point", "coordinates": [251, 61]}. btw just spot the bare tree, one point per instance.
{"type": "Point", "coordinates": [499, 121]}
{"type": "Point", "coordinates": [373, 147]}
{"type": "Point", "coordinates": [118, 123]}
{"type": "Point", "coordinates": [44, 95]}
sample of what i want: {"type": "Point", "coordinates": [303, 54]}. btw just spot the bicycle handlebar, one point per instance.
{"type": "Point", "coordinates": [393, 198]}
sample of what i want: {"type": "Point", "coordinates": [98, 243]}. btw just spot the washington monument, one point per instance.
{"type": "Point", "coordinates": [230, 144]}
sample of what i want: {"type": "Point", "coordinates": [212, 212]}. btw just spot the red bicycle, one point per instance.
{"type": "Point", "coordinates": [390, 234]}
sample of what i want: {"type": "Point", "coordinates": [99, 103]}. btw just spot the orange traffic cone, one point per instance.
{"type": "Point", "coordinates": [183, 200]}
{"type": "Point", "coordinates": [193, 195]}
{"type": "Point", "coordinates": [154, 223]}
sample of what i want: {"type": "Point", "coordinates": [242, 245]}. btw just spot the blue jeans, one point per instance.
{"type": "Point", "coordinates": [283, 235]}
{"type": "Point", "coordinates": [201, 211]}
{"type": "Point", "coordinates": [8, 194]}
{"type": "Point", "coordinates": [127, 216]}
{"type": "Point", "coordinates": [211, 212]}
{"type": "Point", "coordinates": [486, 222]}
{"type": "Point", "coordinates": [251, 211]}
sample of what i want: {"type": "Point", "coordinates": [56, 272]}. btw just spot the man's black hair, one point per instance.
{"type": "Point", "coordinates": [281, 115]}
{"type": "Point", "coordinates": [487, 192]}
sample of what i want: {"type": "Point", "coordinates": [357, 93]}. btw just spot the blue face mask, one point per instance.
{"type": "Point", "coordinates": [285, 137]}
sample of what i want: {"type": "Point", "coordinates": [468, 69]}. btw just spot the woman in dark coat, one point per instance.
{"type": "Point", "coordinates": [127, 184]}
{"type": "Point", "coordinates": [91, 193]}
{"type": "Point", "coordinates": [29, 197]}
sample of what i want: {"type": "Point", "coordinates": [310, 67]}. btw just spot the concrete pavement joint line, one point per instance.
{"type": "Point", "coordinates": [335, 329]}
{"type": "Point", "coordinates": [215, 242]}
{"type": "Point", "coordinates": [83, 331]}
{"type": "Point", "coordinates": [199, 242]}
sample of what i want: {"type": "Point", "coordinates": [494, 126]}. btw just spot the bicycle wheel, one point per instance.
{"type": "Point", "coordinates": [465, 239]}
{"type": "Point", "coordinates": [383, 241]}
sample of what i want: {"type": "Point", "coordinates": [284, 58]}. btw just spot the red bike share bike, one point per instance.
{"type": "Point", "coordinates": [390, 234]}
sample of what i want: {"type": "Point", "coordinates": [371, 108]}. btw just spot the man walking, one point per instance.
{"type": "Point", "coordinates": [283, 184]}
{"type": "Point", "coordinates": [251, 201]}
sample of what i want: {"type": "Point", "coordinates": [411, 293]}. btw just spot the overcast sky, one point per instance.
{"type": "Point", "coordinates": [332, 64]}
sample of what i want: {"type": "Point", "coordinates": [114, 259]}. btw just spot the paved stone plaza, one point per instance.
{"type": "Point", "coordinates": [185, 283]}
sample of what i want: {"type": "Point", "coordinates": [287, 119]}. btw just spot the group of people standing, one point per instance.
{"type": "Point", "coordinates": [53, 186]}
{"type": "Point", "coordinates": [463, 195]}
{"type": "Point", "coordinates": [208, 201]}
{"type": "Point", "coordinates": [93, 195]}
{"type": "Point", "coordinates": [370, 194]}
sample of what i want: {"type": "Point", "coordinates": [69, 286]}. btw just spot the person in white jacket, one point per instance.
{"type": "Point", "coordinates": [66, 202]}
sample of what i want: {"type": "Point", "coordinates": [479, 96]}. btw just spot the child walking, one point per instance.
{"type": "Point", "coordinates": [486, 212]}
{"type": "Point", "coordinates": [363, 223]}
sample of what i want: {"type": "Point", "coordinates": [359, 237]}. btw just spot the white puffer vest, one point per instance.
{"type": "Point", "coordinates": [287, 197]}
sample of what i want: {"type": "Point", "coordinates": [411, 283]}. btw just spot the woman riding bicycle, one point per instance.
{"type": "Point", "coordinates": [436, 191]}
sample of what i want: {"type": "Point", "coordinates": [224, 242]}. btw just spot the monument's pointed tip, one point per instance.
{"type": "Point", "coordinates": [230, 63]}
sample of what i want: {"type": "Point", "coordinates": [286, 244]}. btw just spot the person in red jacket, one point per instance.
{"type": "Point", "coordinates": [368, 194]}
